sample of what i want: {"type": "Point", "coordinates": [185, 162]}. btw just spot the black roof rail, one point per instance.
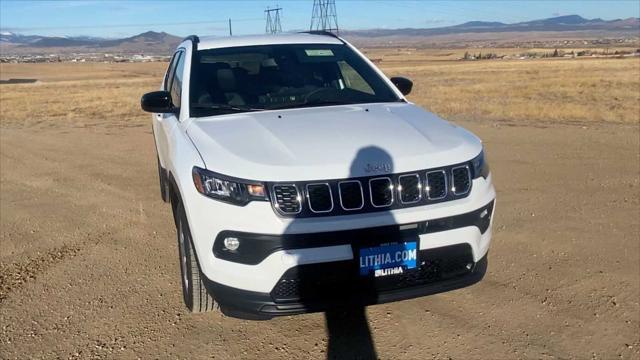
{"type": "Point", "coordinates": [193, 38]}
{"type": "Point", "coordinates": [320, 32]}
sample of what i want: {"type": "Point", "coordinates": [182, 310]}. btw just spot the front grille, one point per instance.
{"type": "Point", "coordinates": [319, 196]}
{"type": "Point", "coordinates": [316, 281]}
{"type": "Point", "coordinates": [369, 194]}
{"type": "Point", "coordinates": [351, 195]}
{"type": "Point", "coordinates": [287, 199]}
{"type": "Point", "coordinates": [461, 180]}
{"type": "Point", "coordinates": [410, 188]}
{"type": "Point", "coordinates": [436, 184]}
{"type": "Point", "coordinates": [381, 192]}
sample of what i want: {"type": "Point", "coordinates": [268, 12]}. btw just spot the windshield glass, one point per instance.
{"type": "Point", "coordinates": [254, 78]}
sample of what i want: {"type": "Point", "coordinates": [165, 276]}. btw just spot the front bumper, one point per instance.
{"type": "Point", "coordinates": [323, 285]}
{"type": "Point", "coordinates": [320, 287]}
{"type": "Point", "coordinates": [208, 219]}
{"type": "Point", "coordinates": [257, 247]}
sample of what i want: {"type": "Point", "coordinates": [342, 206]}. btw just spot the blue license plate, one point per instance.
{"type": "Point", "coordinates": [389, 259]}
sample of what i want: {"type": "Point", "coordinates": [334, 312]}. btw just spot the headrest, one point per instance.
{"type": "Point", "coordinates": [268, 62]}
{"type": "Point", "coordinates": [209, 71]}
{"type": "Point", "coordinates": [211, 68]}
{"type": "Point", "coordinates": [226, 80]}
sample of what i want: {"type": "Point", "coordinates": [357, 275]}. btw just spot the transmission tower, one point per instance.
{"type": "Point", "coordinates": [324, 16]}
{"type": "Point", "coordinates": [273, 21]}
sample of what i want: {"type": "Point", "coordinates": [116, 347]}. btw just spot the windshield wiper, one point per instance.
{"type": "Point", "coordinates": [312, 103]}
{"type": "Point", "coordinates": [225, 107]}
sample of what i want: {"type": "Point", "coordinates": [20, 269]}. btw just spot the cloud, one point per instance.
{"type": "Point", "coordinates": [217, 28]}
{"type": "Point", "coordinates": [60, 4]}
{"type": "Point", "coordinates": [435, 21]}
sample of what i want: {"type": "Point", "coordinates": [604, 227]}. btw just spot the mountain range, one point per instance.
{"type": "Point", "coordinates": [560, 23]}
{"type": "Point", "coordinates": [162, 43]}
{"type": "Point", "coordinates": [149, 42]}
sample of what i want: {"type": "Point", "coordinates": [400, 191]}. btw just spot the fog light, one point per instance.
{"type": "Point", "coordinates": [231, 243]}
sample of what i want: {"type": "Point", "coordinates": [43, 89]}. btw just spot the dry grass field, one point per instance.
{"type": "Point", "coordinates": [551, 91]}
{"type": "Point", "coordinates": [88, 259]}
{"type": "Point", "coordinates": [584, 91]}
{"type": "Point", "coordinates": [77, 95]}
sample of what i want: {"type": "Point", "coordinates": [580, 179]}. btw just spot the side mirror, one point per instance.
{"type": "Point", "coordinates": [157, 102]}
{"type": "Point", "coordinates": [403, 84]}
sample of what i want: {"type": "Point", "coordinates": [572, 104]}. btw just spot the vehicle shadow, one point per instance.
{"type": "Point", "coordinates": [347, 327]}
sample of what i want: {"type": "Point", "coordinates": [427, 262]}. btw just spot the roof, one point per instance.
{"type": "Point", "coordinates": [213, 42]}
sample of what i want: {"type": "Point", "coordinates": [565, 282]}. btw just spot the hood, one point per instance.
{"type": "Point", "coordinates": [331, 142]}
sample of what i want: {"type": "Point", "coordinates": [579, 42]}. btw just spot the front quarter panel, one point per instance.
{"type": "Point", "coordinates": [184, 157]}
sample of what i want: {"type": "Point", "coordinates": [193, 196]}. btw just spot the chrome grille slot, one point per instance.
{"type": "Point", "coordinates": [319, 196]}
{"type": "Point", "coordinates": [365, 194]}
{"type": "Point", "coordinates": [436, 185]}
{"type": "Point", "coordinates": [287, 199]}
{"type": "Point", "coordinates": [381, 192]}
{"type": "Point", "coordinates": [351, 195]}
{"type": "Point", "coordinates": [461, 180]}
{"type": "Point", "coordinates": [410, 188]}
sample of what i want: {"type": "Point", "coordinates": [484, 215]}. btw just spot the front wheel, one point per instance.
{"type": "Point", "coordinates": [195, 294]}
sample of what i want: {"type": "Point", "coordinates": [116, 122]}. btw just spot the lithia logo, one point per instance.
{"type": "Point", "coordinates": [380, 167]}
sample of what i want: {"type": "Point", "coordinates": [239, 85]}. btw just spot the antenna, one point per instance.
{"type": "Point", "coordinates": [273, 21]}
{"type": "Point", "coordinates": [324, 16]}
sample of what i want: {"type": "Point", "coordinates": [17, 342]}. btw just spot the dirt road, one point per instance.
{"type": "Point", "coordinates": [89, 261]}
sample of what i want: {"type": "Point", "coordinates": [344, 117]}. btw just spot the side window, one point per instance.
{"type": "Point", "coordinates": [353, 80]}
{"type": "Point", "coordinates": [169, 75]}
{"type": "Point", "coordinates": [176, 83]}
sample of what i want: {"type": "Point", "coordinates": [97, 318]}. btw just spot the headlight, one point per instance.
{"type": "Point", "coordinates": [480, 166]}
{"type": "Point", "coordinates": [227, 189]}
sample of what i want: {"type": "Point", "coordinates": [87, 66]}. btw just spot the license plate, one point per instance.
{"type": "Point", "coordinates": [389, 259]}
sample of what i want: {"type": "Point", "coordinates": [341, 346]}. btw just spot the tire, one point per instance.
{"type": "Point", "coordinates": [164, 184]}
{"type": "Point", "coordinates": [195, 294]}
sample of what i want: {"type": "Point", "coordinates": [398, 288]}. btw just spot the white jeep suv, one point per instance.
{"type": "Point", "coordinates": [301, 179]}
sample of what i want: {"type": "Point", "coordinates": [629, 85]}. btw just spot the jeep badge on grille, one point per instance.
{"type": "Point", "coordinates": [381, 167]}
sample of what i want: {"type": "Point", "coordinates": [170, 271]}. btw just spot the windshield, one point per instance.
{"type": "Point", "coordinates": [265, 77]}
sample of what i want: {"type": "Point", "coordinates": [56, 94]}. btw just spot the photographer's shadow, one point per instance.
{"type": "Point", "coordinates": [349, 335]}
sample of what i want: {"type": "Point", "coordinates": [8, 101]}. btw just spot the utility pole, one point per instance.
{"type": "Point", "coordinates": [273, 21]}
{"type": "Point", "coordinates": [324, 16]}
{"type": "Point", "coordinates": [230, 32]}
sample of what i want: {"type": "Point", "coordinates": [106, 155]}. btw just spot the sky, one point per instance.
{"type": "Point", "coordinates": [115, 19]}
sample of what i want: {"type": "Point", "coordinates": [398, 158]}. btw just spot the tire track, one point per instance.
{"type": "Point", "coordinates": [16, 275]}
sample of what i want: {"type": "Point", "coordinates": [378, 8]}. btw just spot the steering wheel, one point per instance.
{"type": "Point", "coordinates": [324, 93]}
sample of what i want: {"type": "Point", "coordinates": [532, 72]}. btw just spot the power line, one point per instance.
{"type": "Point", "coordinates": [273, 21]}
{"type": "Point", "coordinates": [130, 25]}
{"type": "Point", "coordinates": [324, 16]}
